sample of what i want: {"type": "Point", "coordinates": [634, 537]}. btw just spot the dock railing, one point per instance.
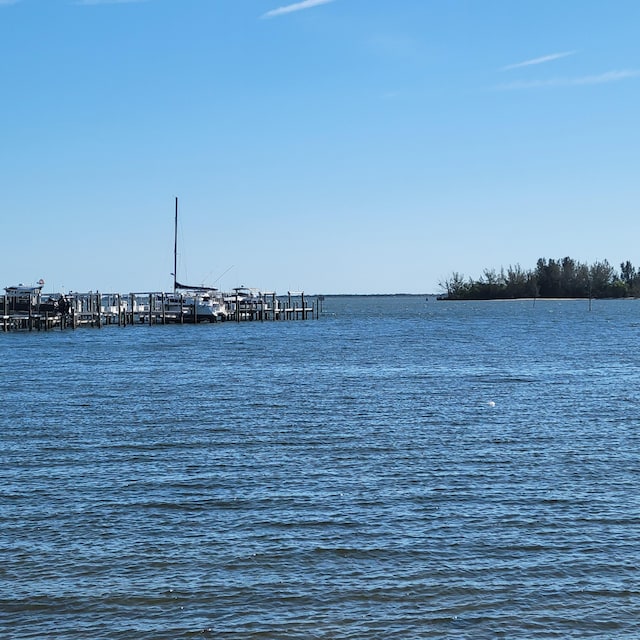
{"type": "Point", "coordinates": [96, 309]}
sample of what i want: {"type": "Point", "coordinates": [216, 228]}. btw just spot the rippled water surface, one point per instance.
{"type": "Point", "coordinates": [396, 469]}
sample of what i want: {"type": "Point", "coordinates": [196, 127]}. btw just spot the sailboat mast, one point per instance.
{"type": "Point", "coordinates": [175, 250]}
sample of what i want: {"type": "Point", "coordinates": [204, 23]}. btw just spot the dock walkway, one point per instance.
{"type": "Point", "coordinates": [94, 309]}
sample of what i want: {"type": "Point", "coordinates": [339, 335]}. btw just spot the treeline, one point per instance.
{"type": "Point", "coordinates": [565, 278]}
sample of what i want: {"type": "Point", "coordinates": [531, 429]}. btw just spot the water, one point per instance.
{"type": "Point", "coordinates": [397, 469]}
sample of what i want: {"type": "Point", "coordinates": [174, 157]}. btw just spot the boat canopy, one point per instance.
{"type": "Point", "coordinates": [21, 290]}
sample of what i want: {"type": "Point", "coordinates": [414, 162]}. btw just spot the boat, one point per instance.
{"type": "Point", "coordinates": [196, 304]}
{"type": "Point", "coordinates": [191, 303]}
{"type": "Point", "coordinates": [28, 299]}
{"type": "Point", "coordinates": [246, 302]}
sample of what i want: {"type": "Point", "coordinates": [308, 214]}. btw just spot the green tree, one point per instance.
{"type": "Point", "coordinates": [455, 286]}
{"type": "Point", "coordinates": [549, 278]}
{"type": "Point", "coordinates": [602, 276]}
{"type": "Point", "coordinates": [518, 282]}
{"type": "Point", "coordinates": [629, 276]}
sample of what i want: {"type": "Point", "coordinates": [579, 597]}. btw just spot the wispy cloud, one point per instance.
{"type": "Point", "coordinates": [298, 6]}
{"type": "Point", "coordinates": [7, 2]}
{"type": "Point", "coordinates": [541, 60]}
{"type": "Point", "coordinates": [603, 78]}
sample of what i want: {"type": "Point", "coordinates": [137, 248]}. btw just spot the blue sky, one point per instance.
{"type": "Point", "coordinates": [331, 146]}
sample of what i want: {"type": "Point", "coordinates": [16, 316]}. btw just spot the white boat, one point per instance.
{"type": "Point", "coordinates": [196, 304]}
{"type": "Point", "coordinates": [193, 303]}
{"type": "Point", "coordinates": [246, 302]}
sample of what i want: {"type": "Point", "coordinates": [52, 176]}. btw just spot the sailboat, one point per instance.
{"type": "Point", "coordinates": [193, 303]}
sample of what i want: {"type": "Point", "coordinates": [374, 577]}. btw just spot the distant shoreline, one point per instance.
{"type": "Point", "coordinates": [376, 295]}
{"type": "Point", "coordinates": [441, 298]}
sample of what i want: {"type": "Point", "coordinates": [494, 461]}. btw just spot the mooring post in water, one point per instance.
{"type": "Point", "coordinates": [99, 308]}
{"type": "Point", "coordinates": [150, 309]}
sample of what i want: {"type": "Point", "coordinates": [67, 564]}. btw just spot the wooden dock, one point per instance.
{"type": "Point", "coordinates": [47, 312]}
